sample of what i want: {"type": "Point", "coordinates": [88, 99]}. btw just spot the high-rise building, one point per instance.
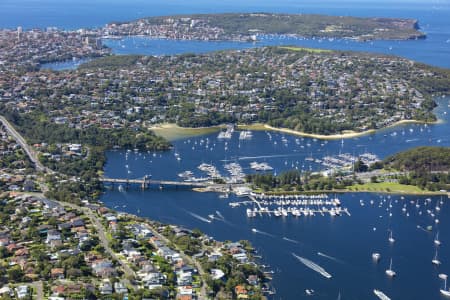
{"type": "Point", "coordinates": [19, 32]}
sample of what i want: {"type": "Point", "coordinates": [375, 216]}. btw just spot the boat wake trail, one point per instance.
{"type": "Point", "coordinates": [262, 232]}
{"type": "Point", "coordinates": [220, 215]}
{"type": "Point", "coordinates": [421, 228]}
{"type": "Point", "coordinates": [261, 156]}
{"type": "Point", "coordinates": [199, 217]}
{"type": "Point", "coordinates": [313, 266]}
{"type": "Point", "coordinates": [330, 257]}
{"type": "Point", "coordinates": [290, 240]}
{"type": "Point", "coordinates": [265, 156]}
{"type": "Point", "coordinates": [412, 140]}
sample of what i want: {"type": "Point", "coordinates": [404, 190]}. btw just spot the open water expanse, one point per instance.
{"type": "Point", "coordinates": [345, 243]}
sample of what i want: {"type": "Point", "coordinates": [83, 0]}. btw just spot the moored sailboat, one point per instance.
{"type": "Point", "coordinates": [435, 260]}
{"type": "Point", "coordinates": [437, 242]}
{"type": "Point", "coordinates": [391, 238]}
{"type": "Point", "coordinates": [390, 272]}
{"type": "Point", "coordinates": [444, 291]}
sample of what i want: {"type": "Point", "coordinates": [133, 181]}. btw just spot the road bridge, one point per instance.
{"type": "Point", "coordinates": [145, 182]}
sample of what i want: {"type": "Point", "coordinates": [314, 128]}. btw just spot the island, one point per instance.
{"type": "Point", "coordinates": [248, 26]}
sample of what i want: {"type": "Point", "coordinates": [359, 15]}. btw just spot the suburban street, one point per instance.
{"type": "Point", "coordinates": [22, 142]}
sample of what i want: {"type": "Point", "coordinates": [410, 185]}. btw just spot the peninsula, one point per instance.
{"type": "Point", "coordinates": [247, 27]}
{"type": "Point", "coordinates": [305, 90]}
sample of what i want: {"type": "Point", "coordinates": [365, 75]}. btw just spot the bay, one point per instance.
{"type": "Point", "coordinates": [350, 240]}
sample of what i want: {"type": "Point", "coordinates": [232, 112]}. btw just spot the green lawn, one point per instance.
{"type": "Point", "coordinates": [390, 187]}
{"type": "Point", "coordinates": [311, 50]}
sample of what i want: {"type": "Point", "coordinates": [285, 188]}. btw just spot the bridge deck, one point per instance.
{"type": "Point", "coordinates": [148, 182]}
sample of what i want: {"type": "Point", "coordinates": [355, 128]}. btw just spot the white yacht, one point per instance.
{"type": "Point", "coordinates": [390, 272]}
{"type": "Point", "coordinates": [376, 256]}
{"type": "Point", "coordinates": [381, 295]}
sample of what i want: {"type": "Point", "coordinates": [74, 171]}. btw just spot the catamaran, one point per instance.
{"type": "Point", "coordinates": [381, 295]}
{"type": "Point", "coordinates": [444, 291]}
{"type": "Point", "coordinates": [376, 256]}
{"type": "Point", "coordinates": [390, 272]}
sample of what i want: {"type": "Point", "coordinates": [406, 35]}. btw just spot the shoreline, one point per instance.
{"type": "Point", "coordinates": [172, 131]}
{"type": "Point", "coordinates": [344, 135]}
{"type": "Point", "coordinates": [343, 191]}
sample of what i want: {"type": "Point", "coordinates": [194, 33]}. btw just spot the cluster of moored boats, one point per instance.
{"type": "Point", "coordinates": [295, 211]}
{"type": "Point", "coordinates": [260, 166]}
{"type": "Point", "coordinates": [226, 134]}
{"type": "Point", "coordinates": [294, 205]}
{"type": "Point", "coordinates": [235, 170]}
{"type": "Point", "coordinates": [210, 170]}
{"type": "Point", "coordinates": [237, 175]}
{"type": "Point", "coordinates": [432, 212]}
{"type": "Point", "coordinates": [346, 160]}
{"type": "Point", "coordinates": [245, 135]}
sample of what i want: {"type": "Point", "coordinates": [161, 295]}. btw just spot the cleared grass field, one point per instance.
{"type": "Point", "coordinates": [390, 187]}
{"type": "Point", "coordinates": [311, 50]}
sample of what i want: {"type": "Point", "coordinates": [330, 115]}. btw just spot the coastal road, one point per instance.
{"type": "Point", "coordinates": [23, 143]}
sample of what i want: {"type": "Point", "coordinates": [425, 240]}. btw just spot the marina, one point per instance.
{"type": "Point", "coordinates": [291, 205]}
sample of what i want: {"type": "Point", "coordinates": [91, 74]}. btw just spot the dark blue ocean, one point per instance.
{"type": "Point", "coordinates": [348, 241]}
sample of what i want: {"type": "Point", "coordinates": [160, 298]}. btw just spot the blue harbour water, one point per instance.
{"type": "Point", "coordinates": [348, 241]}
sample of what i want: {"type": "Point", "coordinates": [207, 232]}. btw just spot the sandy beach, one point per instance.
{"type": "Point", "coordinates": [172, 131]}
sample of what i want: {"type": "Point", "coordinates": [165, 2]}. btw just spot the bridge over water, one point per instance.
{"type": "Point", "coordinates": [145, 182]}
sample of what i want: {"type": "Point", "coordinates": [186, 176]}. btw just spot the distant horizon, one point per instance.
{"type": "Point", "coordinates": [74, 14]}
